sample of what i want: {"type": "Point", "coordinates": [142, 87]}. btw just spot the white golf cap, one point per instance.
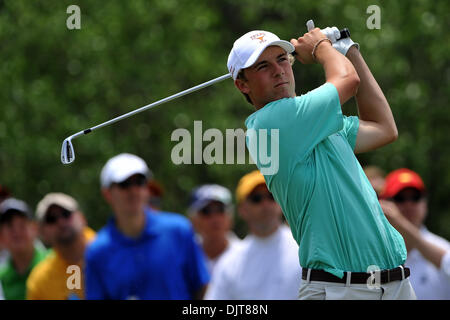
{"type": "Point", "coordinates": [119, 168]}
{"type": "Point", "coordinates": [247, 49]}
{"type": "Point", "coordinates": [201, 196]}
{"type": "Point", "coordinates": [55, 198]}
{"type": "Point", "coordinates": [14, 205]}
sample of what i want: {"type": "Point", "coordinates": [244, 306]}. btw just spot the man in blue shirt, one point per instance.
{"type": "Point", "coordinates": [141, 253]}
{"type": "Point", "coordinates": [331, 208]}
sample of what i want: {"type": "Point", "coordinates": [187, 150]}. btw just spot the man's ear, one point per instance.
{"type": "Point", "coordinates": [106, 195]}
{"type": "Point", "coordinates": [242, 86]}
{"type": "Point", "coordinates": [195, 222]}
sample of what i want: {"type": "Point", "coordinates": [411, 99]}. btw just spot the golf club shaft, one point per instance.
{"type": "Point", "coordinates": [154, 104]}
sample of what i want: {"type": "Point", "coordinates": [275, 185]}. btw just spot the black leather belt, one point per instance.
{"type": "Point", "coordinates": [384, 276]}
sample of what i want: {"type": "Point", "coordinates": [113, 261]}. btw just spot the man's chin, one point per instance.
{"type": "Point", "coordinates": [285, 94]}
{"type": "Point", "coordinates": [67, 238]}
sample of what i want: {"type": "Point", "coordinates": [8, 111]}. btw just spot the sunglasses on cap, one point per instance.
{"type": "Point", "coordinates": [210, 209]}
{"type": "Point", "coordinates": [259, 197]}
{"type": "Point", "coordinates": [400, 198]}
{"type": "Point", "coordinates": [53, 216]}
{"type": "Point", "coordinates": [138, 180]}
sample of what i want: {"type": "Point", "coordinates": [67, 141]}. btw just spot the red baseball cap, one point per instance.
{"type": "Point", "coordinates": [400, 179]}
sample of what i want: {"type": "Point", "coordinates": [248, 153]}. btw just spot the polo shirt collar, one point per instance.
{"type": "Point", "coordinates": [150, 230]}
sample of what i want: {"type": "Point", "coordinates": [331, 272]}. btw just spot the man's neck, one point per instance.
{"type": "Point", "coordinates": [264, 231]}
{"type": "Point", "coordinates": [73, 253]}
{"type": "Point", "coordinates": [131, 225]}
{"type": "Point", "coordinates": [22, 260]}
{"type": "Point", "coordinates": [214, 247]}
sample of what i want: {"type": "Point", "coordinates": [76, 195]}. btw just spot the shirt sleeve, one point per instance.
{"type": "Point", "coordinates": [445, 264]}
{"type": "Point", "coordinates": [219, 287]}
{"type": "Point", "coordinates": [196, 271]}
{"type": "Point", "coordinates": [33, 291]}
{"type": "Point", "coordinates": [350, 130]}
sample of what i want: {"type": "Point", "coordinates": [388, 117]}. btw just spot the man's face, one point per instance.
{"type": "Point", "coordinates": [269, 79]}
{"type": "Point", "coordinates": [61, 226]}
{"type": "Point", "coordinates": [412, 204]}
{"type": "Point", "coordinates": [212, 222]}
{"type": "Point", "coordinates": [18, 233]}
{"type": "Point", "coordinates": [128, 197]}
{"type": "Point", "coordinates": [260, 209]}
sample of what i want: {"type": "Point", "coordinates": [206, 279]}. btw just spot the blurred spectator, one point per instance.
{"type": "Point", "coordinates": [405, 205]}
{"type": "Point", "coordinates": [4, 254]}
{"type": "Point", "coordinates": [265, 264]}
{"type": "Point", "coordinates": [60, 275]}
{"type": "Point", "coordinates": [18, 232]}
{"type": "Point", "coordinates": [156, 194]}
{"type": "Point", "coordinates": [211, 213]}
{"type": "Point", "coordinates": [376, 178]}
{"type": "Point", "coordinates": [140, 254]}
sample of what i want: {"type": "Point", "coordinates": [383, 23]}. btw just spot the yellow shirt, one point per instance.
{"type": "Point", "coordinates": [55, 279]}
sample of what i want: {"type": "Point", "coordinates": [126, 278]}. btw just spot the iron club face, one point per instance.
{"type": "Point", "coordinates": [67, 152]}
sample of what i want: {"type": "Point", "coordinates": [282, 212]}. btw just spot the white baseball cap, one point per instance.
{"type": "Point", "coordinates": [119, 168]}
{"type": "Point", "coordinates": [201, 196]}
{"type": "Point", "coordinates": [55, 198]}
{"type": "Point", "coordinates": [247, 49]}
{"type": "Point", "coordinates": [14, 205]}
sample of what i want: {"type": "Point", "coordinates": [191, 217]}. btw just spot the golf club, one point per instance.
{"type": "Point", "coordinates": [67, 151]}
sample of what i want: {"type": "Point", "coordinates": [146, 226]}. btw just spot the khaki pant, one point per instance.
{"type": "Point", "coordinates": [320, 290]}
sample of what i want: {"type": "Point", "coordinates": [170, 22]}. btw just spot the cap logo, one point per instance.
{"type": "Point", "coordinates": [405, 178]}
{"type": "Point", "coordinates": [259, 36]}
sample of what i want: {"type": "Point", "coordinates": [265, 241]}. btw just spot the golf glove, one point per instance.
{"type": "Point", "coordinates": [344, 45]}
{"type": "Point", "coordinates": [331, 33]}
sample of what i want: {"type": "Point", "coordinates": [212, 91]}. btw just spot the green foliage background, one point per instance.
{"type": "Point", "coordinates": [56, 81]}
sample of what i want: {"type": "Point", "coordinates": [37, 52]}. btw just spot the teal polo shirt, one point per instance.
{"type": "Point", "coordinates": [13, 283]}
{"type": "Point", "coordinates": [331, 207]}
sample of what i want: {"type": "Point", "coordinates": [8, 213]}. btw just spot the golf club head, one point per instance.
{"type": "Point", "coordinates": [67, 153]}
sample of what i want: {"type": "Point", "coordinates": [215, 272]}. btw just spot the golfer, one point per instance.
{"type": "Point", "coordinates": [331, 208]}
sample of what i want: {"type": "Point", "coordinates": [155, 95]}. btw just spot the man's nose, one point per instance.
{"type": "Point", "coordinates": [278, 70]}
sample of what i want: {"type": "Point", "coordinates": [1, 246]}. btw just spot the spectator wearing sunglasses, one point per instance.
{"type": "Point", "coordinates": [18, 232]}
{"type": "Point", "coordinates": [141, 253]}
{"type": "Point", "coordinates": [404, 202]}
{"type": "Point", "coordinates": [264, 266]}
{"type": "Point", "coordinates": [211, 213]}
{"type": "Point", "coordinates": [63, 225]}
